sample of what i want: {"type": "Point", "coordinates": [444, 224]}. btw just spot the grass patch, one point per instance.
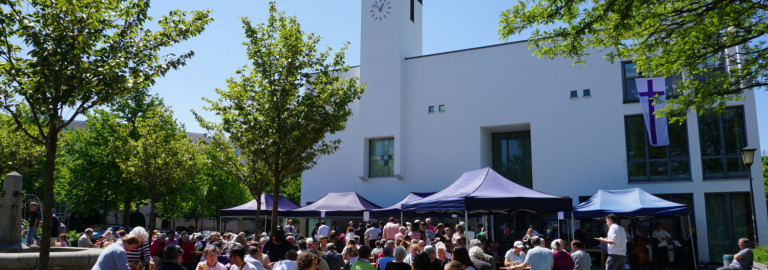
{"type": "Point", "coordinates": [761, 254]}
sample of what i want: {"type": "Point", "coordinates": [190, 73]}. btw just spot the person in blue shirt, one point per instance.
{"type": "Point", "coordinates": [538, 258]}
{"type": "Point", "coordinates": [114, 257]}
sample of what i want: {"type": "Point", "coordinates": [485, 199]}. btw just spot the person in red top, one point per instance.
{"type": "Point", "coordinates": [157, 247]}
{"type": "Point", "coordinates": [189, 250]}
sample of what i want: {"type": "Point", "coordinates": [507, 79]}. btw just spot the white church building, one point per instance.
{"type": "Point", "coordinates": [546, 124]}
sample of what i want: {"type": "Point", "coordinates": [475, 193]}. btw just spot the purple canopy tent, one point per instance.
{"type": "Point", "coordinates": [347, 204]}
{"type": "Point", "coordinates": [249, 209]}
{"type": "Point", "coordinates": [396, 209]}
{"type": "Point", "coordinates": [485, 190]}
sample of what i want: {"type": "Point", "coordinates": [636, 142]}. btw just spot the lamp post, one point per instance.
{"type": "Point", "coordinates": [748, 156]}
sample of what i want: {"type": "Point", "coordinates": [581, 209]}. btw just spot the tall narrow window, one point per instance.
{"type": "Point", "coordinates": [629, 71]}
{"type": "Point", "coordinates": [649, 163]}
{"type": "Point", "coordinates": [382, 157]}
{"type": "Point", "coordinates": [722, 136]}
{"type": "Point", "coordinates": [413, 10]}
{"type": "Point", "coordinates": [512, 156]}
{"type": "Point", "coordinates": [728, 219]}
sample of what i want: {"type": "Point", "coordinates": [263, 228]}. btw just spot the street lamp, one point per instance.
{"type": "Point", "coordinates": [748, 156]}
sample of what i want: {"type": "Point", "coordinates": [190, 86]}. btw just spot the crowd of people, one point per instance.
{"type": "Point", "coordinates": [373, 246]}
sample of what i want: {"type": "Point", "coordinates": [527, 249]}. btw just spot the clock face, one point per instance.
{"type": "Point", "coordinates": [380, 9]}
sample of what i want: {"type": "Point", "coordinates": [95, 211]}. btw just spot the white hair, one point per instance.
{"type": "Point", "coordinates": [476, 252]}
{"type": "Point", "coordinates": [440, 246]}
{"type": "Point", "coordinates": [310, 241]}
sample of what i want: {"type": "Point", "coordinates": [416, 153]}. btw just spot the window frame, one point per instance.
{"type": "Point", "coordinates": [646, 150]}
{"type": "Point", "coordinates": [371, 153]}
{"type": "Point", "coordinates": [724, 156]}
{"type": "Point", "coordinates": [522, 135]}
{"type": "Point", "coordinates": [639, 75]}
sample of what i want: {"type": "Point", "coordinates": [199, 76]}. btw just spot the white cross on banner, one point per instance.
{"type": "Point", "coordinates": [652, 98]}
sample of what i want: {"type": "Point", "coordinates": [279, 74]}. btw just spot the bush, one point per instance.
{"type": "Point", "coordinates": [73, 236]}
{"type": "Point", "coordinates": [761, 254]}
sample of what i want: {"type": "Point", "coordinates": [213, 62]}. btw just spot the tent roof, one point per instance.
{"type": "Point", "coordinates": [396, 208]}
{"type": "Point", "coordinates": [346, 204]}
{"type": "Point", "coordinates": [486, 190]}
{"type": "Point", "coordinates": [249, 209]}
{"type": "Point", "coordinates": [627, 203]}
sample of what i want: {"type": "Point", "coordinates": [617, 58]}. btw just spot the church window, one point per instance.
{"type": "Point", "coordinates": [721, 137]}
{"type": "Point", "coordinates": [647, 163]}
{"type": "Point", "coordinates": [382, 157]}
{"type": "Point", "coordinates": [630, 73]}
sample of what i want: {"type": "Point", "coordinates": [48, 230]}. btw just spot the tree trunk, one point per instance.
{"type": "Point", "coordinates": [127, 211]}
{"type": "Point", "coordinates": [275, 199]}
{"type": "Point", "coordinates": [48, 201]}
{"type": "Point", "coordinates": [104, 214]}
{"type": "Point", "coordinates": [258, 218]}
{"type": "Point", "coordinates": [152, 212]}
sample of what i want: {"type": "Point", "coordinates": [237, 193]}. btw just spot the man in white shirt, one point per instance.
{"type": "Point", "coordinates": [617, 244]}
{"type": "Point", "coordinates": [371, 234]}
{"type": "Point", "coordinates": [323, 230]}
{"type": "Point", "coordinates": [290, 229]}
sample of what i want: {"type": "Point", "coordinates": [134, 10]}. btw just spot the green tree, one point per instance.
{"type": "Point", "coordinates": [90, 174]}
{"type": "Point", "coordinates": [18, 153]}
{"type": "Point", "coordinates": [280, 128]}
{"type": "Point", "coordinates": [128, 109]}
{"type": "Point", "coordinates": [664, 38]}
{"type": "Point", "coordinates": [765, 178]}
{"type": "Point", "coordinates": [62, 58]}
{"type": "Point", "coordinates": [240, 167]}
{"type": "Point", "coordinates": [160, 159]}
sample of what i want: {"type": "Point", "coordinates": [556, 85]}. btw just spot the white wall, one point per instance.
{"type": "Point", "coordinates": [578, 145]}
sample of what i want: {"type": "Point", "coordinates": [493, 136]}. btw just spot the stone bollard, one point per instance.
{"type": "Point", "coordinates": [10, 207]}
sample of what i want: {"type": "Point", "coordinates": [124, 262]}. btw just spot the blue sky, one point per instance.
{"type": "Point", "coordinates": [448, 25]}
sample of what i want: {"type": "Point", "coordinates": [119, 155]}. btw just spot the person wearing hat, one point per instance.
{"type": "Point", "coordinates": [515, 255]}
{"type": "Point", "coordinates": [173, 257]}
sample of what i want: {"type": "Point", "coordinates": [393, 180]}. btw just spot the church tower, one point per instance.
{"type": "Point", "coordinates": [391, 31]}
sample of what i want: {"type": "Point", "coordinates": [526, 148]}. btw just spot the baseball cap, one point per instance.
{"type": "Point", "coordinates": [519, 244]}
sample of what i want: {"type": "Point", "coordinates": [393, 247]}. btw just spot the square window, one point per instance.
{"type": "Point", "coordinates": [441, 108]}
{"type": "Point", "coordinates": [587, 93]}
{"type": "Point", "coordinates": [431, 109]}
{"type": "Point", "coordinates": [574, 94]}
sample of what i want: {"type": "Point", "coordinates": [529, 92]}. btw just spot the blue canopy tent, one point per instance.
{"type": "Point", "coordinates": [485, 190]}
{"type": "Point", "coordinates": [633, 202]}
{"type": "Point", "coordinates": [347, 204]}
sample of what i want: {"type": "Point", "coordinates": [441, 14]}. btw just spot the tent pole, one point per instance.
{"type": "Point", "coordinates": [693, 244]}
{"type": "Point", "coordinates": [401, 216]}
{"type": "Point", "coordinates": [573, 229]}
{"type": "Point", "coordinates": [466, 223]}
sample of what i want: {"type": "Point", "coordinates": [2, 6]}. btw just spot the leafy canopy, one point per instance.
{"type": "Point", "coordinates": [663, 37]}
{"type": "Point", "coordinates": [281, 108]}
